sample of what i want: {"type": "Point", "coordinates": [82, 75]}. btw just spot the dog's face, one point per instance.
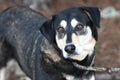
{"type": "Point", "coordinates": [74, 31]}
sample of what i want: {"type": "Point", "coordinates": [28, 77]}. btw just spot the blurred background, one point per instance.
{"type": "Point", "coordinates": [108, 45]}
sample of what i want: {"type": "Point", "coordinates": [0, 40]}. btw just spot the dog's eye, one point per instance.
{"type": "Point", "coordinates": [79, 27]}
{"type": "Point", "coordinates": [60, 29]}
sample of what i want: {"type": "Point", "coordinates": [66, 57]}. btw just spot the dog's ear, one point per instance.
{"type": "Point", "coordinates": [93, 13]}
{"type": "Point", "coordinates": [47, 30]}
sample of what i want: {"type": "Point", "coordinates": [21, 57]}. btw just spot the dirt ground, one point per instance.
{"type": "Point", "coordinates": [108, 45]}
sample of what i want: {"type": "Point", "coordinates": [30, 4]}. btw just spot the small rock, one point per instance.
{"type": "Point", "coordinates": [110, 12]}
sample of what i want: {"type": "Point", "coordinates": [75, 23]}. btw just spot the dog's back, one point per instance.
{"type": "Point", "coordinates": [19, 33]}
{"type": "Point", "coordinates": [21, 39]}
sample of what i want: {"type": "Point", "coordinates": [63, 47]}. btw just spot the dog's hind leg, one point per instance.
{"type": "Point", "coordinates": [3, 74]}
{"type": "Point", "coordinates": [89, 76]}
{"type": "Point", "coordinates": [3, 69]}
{"type": "Point", "coordinates": [92, 77]}
{"type": "Point", "coordinates": [5, 56]}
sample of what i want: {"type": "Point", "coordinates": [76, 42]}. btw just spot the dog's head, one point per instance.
{"type": "Point", "coordinates": [74, 31]}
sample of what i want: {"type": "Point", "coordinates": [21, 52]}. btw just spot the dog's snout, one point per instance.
{"type": "Point", "coordinates": [70, 48]}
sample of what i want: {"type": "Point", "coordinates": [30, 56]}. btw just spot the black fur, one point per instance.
{"type": "Point", "coordinates": [29, 38]}
{"type": "Point", "coordinates": [94, 14]}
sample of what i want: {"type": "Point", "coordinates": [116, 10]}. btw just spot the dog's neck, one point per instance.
{"type": "Point", "coordinates": [52, 57]}
{"type": "Point", "coordinates": [49, 50]}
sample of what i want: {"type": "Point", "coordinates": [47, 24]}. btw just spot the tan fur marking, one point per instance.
{"type": "Point", "coordinates": [92, 41]}
{"type": "Point", "coordinates": [63, 23]}
{"type": "Point", "coordinates": [87, 48]}
{"type": "Point", "coordinates": [74, 22]}
{"type": "Point", "coordinates": [90, 45]}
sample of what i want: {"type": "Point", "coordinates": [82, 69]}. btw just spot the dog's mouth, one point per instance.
{"type": "Point", "coordinates": [76, 53]}
{"type": "Point", "coordinates": [78, 57]}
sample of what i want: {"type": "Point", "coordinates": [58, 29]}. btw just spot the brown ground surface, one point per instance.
{"type": "Point", "coordinates": [108, 46]}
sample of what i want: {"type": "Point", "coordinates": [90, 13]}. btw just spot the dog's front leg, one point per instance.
{"type": "Point", "coordinates": [90, 76]}
{"type": "Point", "coordinates": [36, 67]}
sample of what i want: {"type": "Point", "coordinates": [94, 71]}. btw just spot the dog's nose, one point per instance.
{"type": "Point", "coordinates": [70, 48]}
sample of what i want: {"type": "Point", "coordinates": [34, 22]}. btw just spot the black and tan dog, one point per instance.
{"type": "Point", "coordinates": [46, 48]}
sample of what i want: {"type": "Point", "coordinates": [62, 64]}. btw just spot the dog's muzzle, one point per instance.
{"type": "Point", "coordinates": [70, 49]}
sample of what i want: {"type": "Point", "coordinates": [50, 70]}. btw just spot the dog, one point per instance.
{"type": "Point", "coordinates": [46, 49]}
